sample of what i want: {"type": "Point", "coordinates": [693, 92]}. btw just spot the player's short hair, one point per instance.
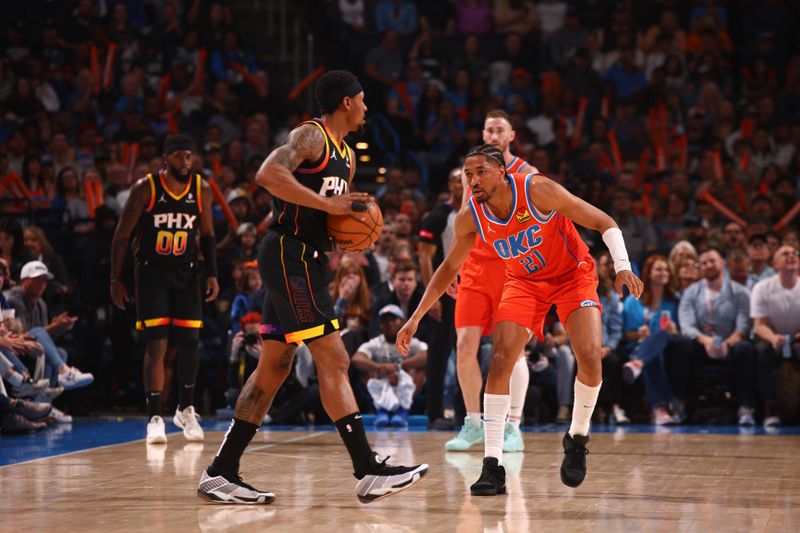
{"type": "Point", "coordinates": [499, 113]}
{"type": "Point", "coordinates": [173, 143]}
{"type": "Point", "coordinates": [332, 87]}
{"type": "Point", "coordinates": [491, 153]}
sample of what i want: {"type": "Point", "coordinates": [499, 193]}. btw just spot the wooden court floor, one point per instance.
{"type": "Point", "coordinates": [636, 482]}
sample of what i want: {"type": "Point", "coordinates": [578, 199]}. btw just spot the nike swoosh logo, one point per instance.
{"type": "Point", "coordinates": [588, 406]}
{"type": "Point", "coordinates": [357, 417]}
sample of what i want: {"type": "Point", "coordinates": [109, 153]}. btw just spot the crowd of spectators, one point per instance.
{"type": "Point", "coordinates": [681, 119]}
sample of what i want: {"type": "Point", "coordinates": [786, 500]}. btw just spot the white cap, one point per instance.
{"type": "Point", "coordinates": [391, 309]}
{"type": "Point", "coordinates": [34, 269]}
{"type": "Point", "coordinates": [237, 193]}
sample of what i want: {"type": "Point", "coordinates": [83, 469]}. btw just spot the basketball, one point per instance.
{"type": "Point", "coordinates": [354, 235]}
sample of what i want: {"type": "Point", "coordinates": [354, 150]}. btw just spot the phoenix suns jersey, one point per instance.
{"type": "Point", "coordinates": [329, 175]}
{"type": "Point", "coordinates": [169, 225]}
{"type": "Point", "coordinates": [533, 246]}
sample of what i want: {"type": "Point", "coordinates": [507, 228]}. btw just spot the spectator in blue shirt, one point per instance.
{"type": "Point", "coordinates": [397, 15]}
{"type": "Point", "coordinates": [626, 76]}
{"type": "Point", "coordinates": [715, 312]}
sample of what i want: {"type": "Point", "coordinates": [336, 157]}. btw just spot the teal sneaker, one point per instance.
{"type": "Point", "coordinates": [470, 436]}
{"type": "Point", "coordinates": [512, 439]}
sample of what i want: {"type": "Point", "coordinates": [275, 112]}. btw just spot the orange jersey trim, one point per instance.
{"type": "Point", "coordinates": [152, 192]}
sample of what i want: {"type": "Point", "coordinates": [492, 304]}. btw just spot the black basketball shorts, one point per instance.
{"type": "Point", "coordinates": [298, 307]}
{"type": "Point", "coordinates": [169, 302]}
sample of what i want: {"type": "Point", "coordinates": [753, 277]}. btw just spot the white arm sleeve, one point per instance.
{"type": "Point", "coordinates": [616, 246]}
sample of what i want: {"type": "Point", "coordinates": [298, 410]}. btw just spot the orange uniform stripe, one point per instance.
{"type": "Point", "coordinates": [152, 192]}
{"type": "Point", "coordinates": [297, 337]}
{"type": "Point", "coordinates": [187, 323]}
{"type": "Point", "coordinates": [152, 323]}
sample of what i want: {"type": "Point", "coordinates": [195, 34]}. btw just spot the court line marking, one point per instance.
{"type": "Point", "coordinates": [288, 441]}
{"type": "Point", "coordinates": [66, 454]}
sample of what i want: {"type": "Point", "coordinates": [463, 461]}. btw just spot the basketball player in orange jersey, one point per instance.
{"type": "Point", "coordinates": [309, 178]}
{"type": "Point", "coordinates": [479, 291]}
{"type": "Point", "coordinates": [527, 218]}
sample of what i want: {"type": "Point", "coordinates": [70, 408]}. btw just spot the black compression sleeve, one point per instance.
{"type": "Point", "coordinates": [208, 245]}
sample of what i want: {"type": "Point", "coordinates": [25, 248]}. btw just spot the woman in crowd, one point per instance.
{"type": "Point", "coordinates": [648, 325]}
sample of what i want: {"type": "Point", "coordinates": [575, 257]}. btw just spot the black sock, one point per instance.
{"type": "Point", "coordinates": [188, 363]}
{"type": "Point", "coordinates": [355, 439]}
{"type": "Point", "coordinates": [186, 396]}
{"type": "Point", "coordinates": [153, 403]}
{"type": "Point", "coordinates": [239, 435]}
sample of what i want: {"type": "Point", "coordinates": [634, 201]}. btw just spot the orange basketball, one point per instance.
{"type": "Point", "coordinates": [352, 234]}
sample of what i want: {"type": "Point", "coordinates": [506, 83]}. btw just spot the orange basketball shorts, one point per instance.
{"type": "Point", "coordinates": [479, 291]}
{"type": "Point", "coordinates": [527, 302]}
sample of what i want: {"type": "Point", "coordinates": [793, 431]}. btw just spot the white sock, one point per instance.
{"type": "Point", "coordinates": [476, 417]}
{"type": "Point", "coordinates": [495, 410]}
{"type": "Point", "coordinates": [585, 400]}
{"type": "Point", "coordinates": [518, 388]}
{"type": "Point", "coordinates": [15, 379]}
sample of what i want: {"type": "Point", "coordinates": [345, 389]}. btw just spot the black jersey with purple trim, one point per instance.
{"type": "Point", "coordinates": [329, 175]}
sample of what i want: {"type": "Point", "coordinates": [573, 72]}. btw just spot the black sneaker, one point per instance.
{"type": "Point", "coordinates": [492, 481]}
{"type": "Point", "coordinates": [219, 488]}
{"type": "Point", "coordinates": [384, 480]}
{"type": "Point", "coordinates": [573, 467]}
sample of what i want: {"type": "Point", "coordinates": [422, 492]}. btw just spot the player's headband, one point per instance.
{"type": "Point", "coordinates": [489, 152]}
{"type": "Point", "coordinates": [331, 101]}
{"type": "Point", "coordinates": [173, 147]}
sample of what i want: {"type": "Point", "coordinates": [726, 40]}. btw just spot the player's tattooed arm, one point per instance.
{"type": "Point", "coordinates": [306, 143]}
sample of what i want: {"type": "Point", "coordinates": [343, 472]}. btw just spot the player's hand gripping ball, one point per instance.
{"type": "Point", "coordinates": [358, 231]}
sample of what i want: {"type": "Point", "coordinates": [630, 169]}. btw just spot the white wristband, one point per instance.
{"type": "Point", "coordinates": [616, 246]}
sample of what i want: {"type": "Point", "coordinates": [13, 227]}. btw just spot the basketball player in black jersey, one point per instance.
{"type": "Point", "coordinates": [170, 208]}
{"type": "Point", "coordinates": [309, 178]}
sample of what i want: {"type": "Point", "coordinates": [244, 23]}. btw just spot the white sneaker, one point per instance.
{"type": "Point", "coordinates": [772, 421]}
{"type": "Point", "coordinates": [746, 417]}
{"type": "Point", "coordinates": [619, 416]}
{"type": "Point", "coordinates": [188, 421]}
{"type": "Point", "coordinates": [73, 378]}
{"type": "Point", "coordinates": [60, 416]}
{"type": "Point", "coordinates": [156, 432]}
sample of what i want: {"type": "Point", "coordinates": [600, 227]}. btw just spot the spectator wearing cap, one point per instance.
{"type": "Point", "coordinates": [715, 312]}
{"type": "Point", "coordinates": [389, 374]}
{"type": "Point", "coordinates": [239, 202]}
{"type": "Point", "coordinates": [758, 251]}
{"type": "Point", "coordinates": [775, 308]}
{"type": "Point", "coordinates": [31, 310]}
{"type": "Point", "coordinates": [246, 242]}
{"type": "Point", "coordinates": [404, 292]}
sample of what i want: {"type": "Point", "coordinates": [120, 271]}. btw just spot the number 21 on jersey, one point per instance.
{"type": "Point", "coordinates": [533, 263]}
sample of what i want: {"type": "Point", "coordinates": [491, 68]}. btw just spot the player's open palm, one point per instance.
{"type": "Point", "coordinates": [119, 294]}
{"type": "Point", "coordinates": [404, 336]}
{"type": "Point", "coordinates": [626, 278]}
